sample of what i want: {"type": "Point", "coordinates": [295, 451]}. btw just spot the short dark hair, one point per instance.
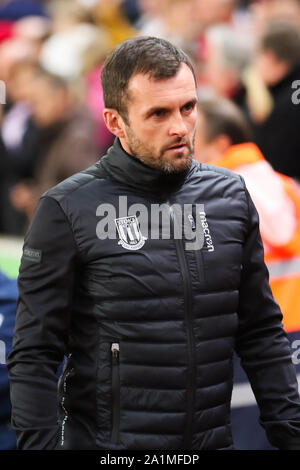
{"type": "Point", "coordinates": [283, 39]}
{"type": "Point", "coordinates": [223, 117]}
{"type": "Point", "coordinates": [147, 55]}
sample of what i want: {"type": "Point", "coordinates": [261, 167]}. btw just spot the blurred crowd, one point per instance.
{"type": "Point", "coordinates": [51, 53]}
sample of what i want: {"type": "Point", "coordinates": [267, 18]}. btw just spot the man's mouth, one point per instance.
{"type": "Point", "coordinates": [180, 146]}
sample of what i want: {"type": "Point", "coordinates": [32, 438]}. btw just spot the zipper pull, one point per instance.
{"type": "Point", "coordinates": [192, 222]}
{"type": "Point", "coordinates": [115, 349]}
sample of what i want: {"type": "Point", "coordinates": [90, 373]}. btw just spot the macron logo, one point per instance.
{"type": "Point", "coordinates": [206, 231]}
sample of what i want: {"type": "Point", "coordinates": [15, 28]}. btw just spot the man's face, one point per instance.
{"type": "Point", "coordinates": [222, 79]}
{"type": "Point", "coordinates": [270, 69]}
{"type": "Point", "coordinates": [161, 120]}
{"type": "Point", "coordinates": [48, 104]}
{"type": "Point", "coordinates": [19, 83]}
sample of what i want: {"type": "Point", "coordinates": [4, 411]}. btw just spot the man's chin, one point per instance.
{"type": "Point", "coordinates": [180, 164]}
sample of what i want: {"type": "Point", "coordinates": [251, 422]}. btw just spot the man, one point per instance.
{"type": "Point", "coordinates": [223, 139]}
{"type": "Point", "coordinates": [145, 270]}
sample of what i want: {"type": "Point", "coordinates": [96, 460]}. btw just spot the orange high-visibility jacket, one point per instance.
{"type": "Point", "coordinates": [277, 199]}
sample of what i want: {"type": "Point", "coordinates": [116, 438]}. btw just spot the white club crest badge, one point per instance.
{"type": "Point", "coordinates": [131, 237]}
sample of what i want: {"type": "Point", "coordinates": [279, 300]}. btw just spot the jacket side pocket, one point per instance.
{"type": "Point", "coordinates": [115, 383]}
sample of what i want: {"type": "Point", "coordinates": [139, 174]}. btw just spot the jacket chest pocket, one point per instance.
{"type": "Point", "coordinates": [222, 267]}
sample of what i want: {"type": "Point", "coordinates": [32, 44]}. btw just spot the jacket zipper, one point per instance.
{"type": "Point", "coordinates": [115, 350]}
{"type": "Point", "coordinates": [187, 287]}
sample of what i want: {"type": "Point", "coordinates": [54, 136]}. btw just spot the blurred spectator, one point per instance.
{"type": "Point", "coordinates": [93, 59]}
{"type": "Point", "coordinates": [278, 64]}
{"type": "Point", "coordinates": [228, 54]}
{"type": "Point", "coordinates": [75, 51]}
{"type": "Point", "coordinates": [222, 139]}
{"type": "Point", "coordinates": [214, 12]}
{"type": "Point", "coordinates": [152, 14]}
{"type": "Point", "coordinates": [19, 137]}
{"type": "Point", "coordinates": [66, 142]}
{"type": "Point", "coordinates": [8, 301]}
{"type": "Point", "coordinates": [32, 27]}
{"type": "Point", "coordinates": [222, 15]}
{"type": "Point", "coordinates": [266, 11]}
{"type": "Point", "coordinates": [35, 29]}
{"type": "Point", "coordinates": [169, 19]}
{"type": "Point", "coordinates": [62, 53]}
{"type": "Point", "coordinates": [16, 121]}
{"type": "Point", "coordinates": [12, 51]}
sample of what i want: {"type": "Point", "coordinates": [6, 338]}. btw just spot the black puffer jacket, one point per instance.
{"type": "Point", "coordinates": [149, 332]}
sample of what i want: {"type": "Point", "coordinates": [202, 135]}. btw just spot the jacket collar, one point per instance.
{"type": "Point", "coordinates": [130, 171]}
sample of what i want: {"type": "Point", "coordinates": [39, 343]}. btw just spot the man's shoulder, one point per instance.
{"type": "Point", "coordinates": [75, 183]}
{"type": "Point", "coordinates": [217, 171]}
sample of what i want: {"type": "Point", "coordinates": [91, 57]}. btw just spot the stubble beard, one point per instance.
{"type": "Point", "coordinates": [160, 162]}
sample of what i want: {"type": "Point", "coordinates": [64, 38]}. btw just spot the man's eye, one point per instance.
{"type": "Point", "coordinates": [189, 107]}
{"type": "Point", "coordinates": [159, 113]}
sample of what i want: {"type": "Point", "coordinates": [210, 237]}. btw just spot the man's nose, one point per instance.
{"type": "Point", "coordinates": [178, 126]}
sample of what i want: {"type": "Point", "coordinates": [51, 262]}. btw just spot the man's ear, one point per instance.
{"type": "Point", "coordinates": [114, 122]}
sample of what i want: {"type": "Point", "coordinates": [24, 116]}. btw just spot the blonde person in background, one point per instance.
{"type": "Point", "coordinates": [276, 63]}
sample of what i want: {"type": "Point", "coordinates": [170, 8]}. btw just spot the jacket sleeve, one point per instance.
{"type": "Point", "coordinates": [46, 281]}
{"type": "Point", "coordinates": [263, 346]}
